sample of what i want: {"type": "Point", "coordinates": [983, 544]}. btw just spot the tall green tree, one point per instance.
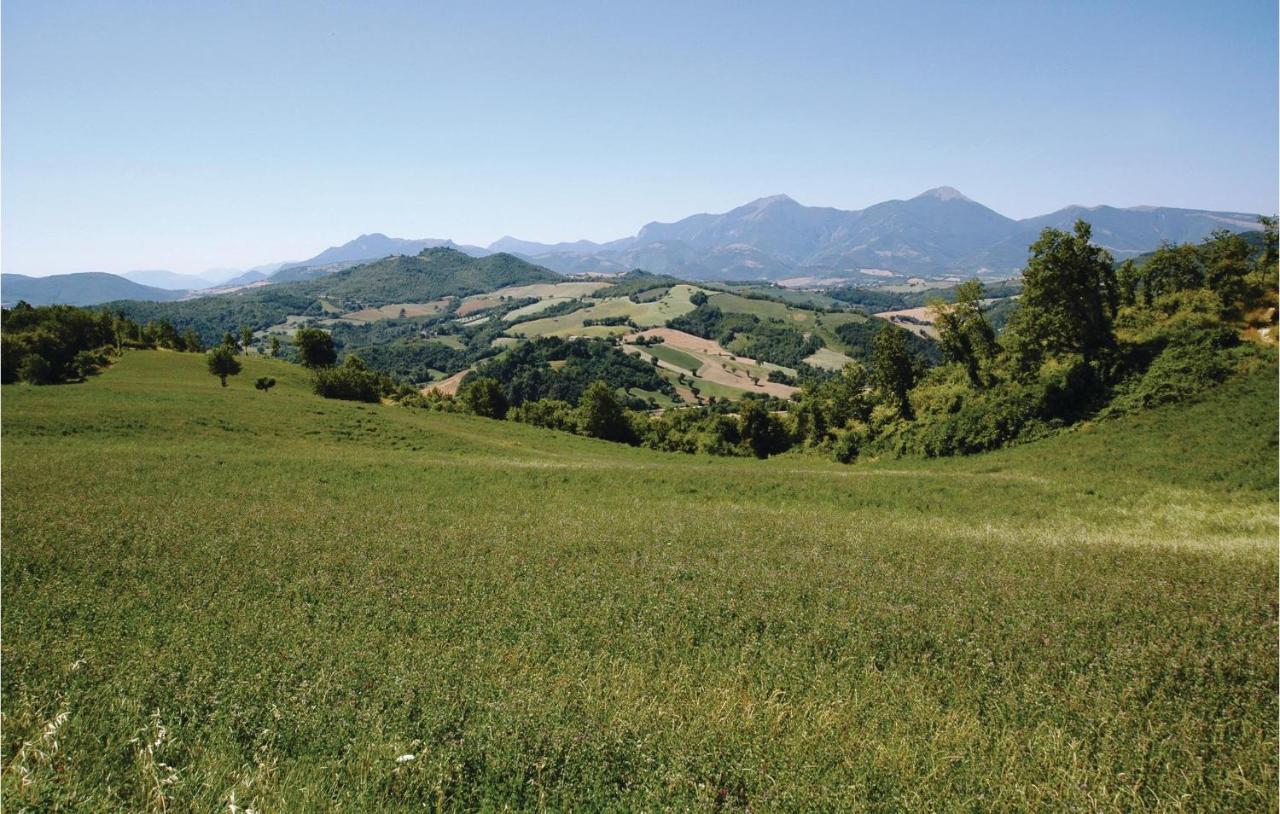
{"type": "Point", "coordinates": [1269, 241]}
{"type": "Point", "coordinates": [223, 363]}
{"type": "Point", "coordinates": [275, 345]}
{"type": "Point", "coordinates": [191, 341]}
{"type": "Point", "coordinates": [483, 396]}
{"type": "Point", "coordinates": [964, 333]}
{"type": "Point", "coordinates": [1171, 268]}
{"type": "Point", "coordinates": [315, 347]}
{"type": "Point", "coordinates": [246, 336]}
{"type": "Point", "coordinates": [601, 415]}
{"type": "Point", "coordinates": [1228, 259]}
{"type": "Point", "coordinates": [1069, 299]}
{"type": "Point", "coordinates": [760, 430]}
{"type": "Point", "coordinates": [893, 370]}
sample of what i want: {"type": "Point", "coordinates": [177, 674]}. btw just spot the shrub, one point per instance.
{"type": "Point", "coordinates": [264, 383]}
{"type": "Point", "coordinates": [87, 362]}
{"type": "Point", "coordinates": [1180, 371]}
{"type": "Point", "coordinates": [553, 414]}
{"type": "Point", "coordinates": [351, 381]}
{"type": "Point", "coordinates": [849, 442]}
{"type": "Point", "coordinates": [35, 369]}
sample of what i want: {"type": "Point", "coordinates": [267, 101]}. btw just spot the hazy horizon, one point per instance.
{"type": "Point", "coordinates": [140, 137]}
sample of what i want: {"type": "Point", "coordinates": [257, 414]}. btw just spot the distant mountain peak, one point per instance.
{"type": "Point", "coordinates": [945, 194]}
{"type": "Point", "coordinates": [771, 200]}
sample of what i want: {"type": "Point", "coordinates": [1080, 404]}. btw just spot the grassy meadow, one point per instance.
{"type": "Point", "coordinates": [222, 599]}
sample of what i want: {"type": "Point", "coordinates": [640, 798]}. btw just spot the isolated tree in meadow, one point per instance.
{"type": "Point", "coordinates": [893, 370]}
{"type": "Point", "coordinates": [483, 396]}
{"type": "Point", "coordinates": [275, 346]}
{"type": "Point", "coordinates": [1069, 298]}
{"type": "Point", "coordinates": [264, 383]}
{"type": "Point", "coordinates": [315, 347]}
{"type": "Point", "coordinates": [964, 333]}
{"type": "Point", "coordinates": [223, 363]}
{"type": "Point", "coordinates": [246, 336]}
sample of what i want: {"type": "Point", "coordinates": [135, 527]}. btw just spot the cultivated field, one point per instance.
{"type": "Point", "coordinates": [719, 372]}
{"type": "Point", "coordinates": [221, 599]}
{"type": "Point", "coordinates": [398, 310]}
{"type": "Point", "coordinates": [645, 314]}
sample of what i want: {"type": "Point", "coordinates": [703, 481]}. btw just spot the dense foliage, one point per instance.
{"type": "Point", "coordinates": [859, 338]}
{"type": "Point", "coordinates": [881, 299]}
{"type": "Point", "coordinates": [637, 282]}
{"type": "Point", "coordinates": [351, 380]}
{"type": "Point", "coordinates": [59, 343]}
{"type": "Point", "coordinates": [526, 372]}
{"type": "Point", "coordinates": [766, 340]}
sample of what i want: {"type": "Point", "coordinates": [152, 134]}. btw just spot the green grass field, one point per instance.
{"type": "Point", "coordinates": [674, 356]}
{"type": "Point", "coordinates": [645, 314]}
{"type": "Point", "coordinates": [219, 597]}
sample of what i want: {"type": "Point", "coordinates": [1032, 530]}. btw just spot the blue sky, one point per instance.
{"type": "Point", "coordinates": [186, 136]}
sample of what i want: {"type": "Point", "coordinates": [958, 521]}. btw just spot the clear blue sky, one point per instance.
{"type": "Point", "coordinates": [193, 135]}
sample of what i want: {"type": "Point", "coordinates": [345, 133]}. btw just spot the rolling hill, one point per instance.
{"type": "Point", "coordinates": [86, 288]}
{"type": "Point", "coordinates": [429, 275]}
{"type": "Point", "coordinates": [274, 601]}
{"type": "Point", "coordinates": [361, 250]}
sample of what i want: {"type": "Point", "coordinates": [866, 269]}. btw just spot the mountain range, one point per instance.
{"type": "Point", "coordinates": [935, 234]}
{"type": "Point", "coordinates": [939, 233]}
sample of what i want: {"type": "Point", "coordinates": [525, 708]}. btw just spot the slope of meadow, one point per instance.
{"type": "Point", "coordinates": [220, 597]}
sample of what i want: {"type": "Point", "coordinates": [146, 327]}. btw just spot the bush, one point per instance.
{"type": "Point", "coordinates": [351, 381]}
{"type": "Point", "coordinates": [988, 420]}
{"type": "Point", "coordinates": [553, 414]}
{"type": "Point", "coordinates": [87, 362]}
{"type": "Point", "coordinates": [1178, 373]}
{"type": "Point", "coordinates": [850, 442]}
{"type": "Point", "coordinates": [430, 400]}
{"type": "Point", "coordinates": [35, 369]}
